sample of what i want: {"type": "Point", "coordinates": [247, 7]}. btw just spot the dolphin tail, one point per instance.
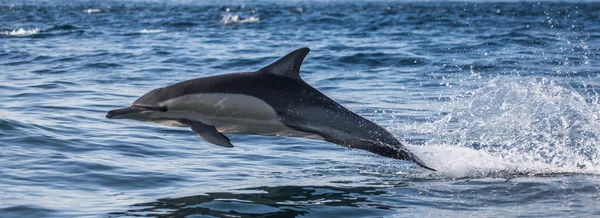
{"type": "Point", "coordinates": [396, 152]}
{"type": "Point", "coordinates": [418, 161]}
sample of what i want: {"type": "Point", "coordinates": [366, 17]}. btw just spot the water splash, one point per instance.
{"type": "Point", "coordinates": [229, 19]}
{"type": "Point", "coordinates": [92, 10]}
{"type": "Point", "coordinates": [22, 32]}
{"type": "Point", "coordinates": [516, 126]}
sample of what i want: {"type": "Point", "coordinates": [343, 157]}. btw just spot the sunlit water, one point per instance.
{"type": "Point", "coordinates": [500, 98]}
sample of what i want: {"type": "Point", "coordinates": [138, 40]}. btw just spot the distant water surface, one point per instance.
{"type": "Point", "coordinates": [500, 97]}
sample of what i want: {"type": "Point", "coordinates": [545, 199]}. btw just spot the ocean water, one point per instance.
{"type": "Point", "coordinates": [500, 97]}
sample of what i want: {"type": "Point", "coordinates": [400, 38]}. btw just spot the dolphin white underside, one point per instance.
{"type": "Point", "coordinates": [228, 113]}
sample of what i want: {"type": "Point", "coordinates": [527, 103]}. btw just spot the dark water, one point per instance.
{"type": "Point", "coordinates": [501, 98]}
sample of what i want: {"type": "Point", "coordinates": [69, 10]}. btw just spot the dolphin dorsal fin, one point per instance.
{"type": "Point", "coordinates": [288, 65]}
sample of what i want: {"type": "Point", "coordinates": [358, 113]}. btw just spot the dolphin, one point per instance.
{"type": "Point", "coordinates": [273, 101]}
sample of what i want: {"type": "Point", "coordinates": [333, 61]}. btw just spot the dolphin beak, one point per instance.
{"type": "Point", "coordinates": [124, 113]}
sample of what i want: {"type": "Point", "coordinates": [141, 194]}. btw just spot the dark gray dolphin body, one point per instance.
{"type": "Point", "coordinates": [273, 101]}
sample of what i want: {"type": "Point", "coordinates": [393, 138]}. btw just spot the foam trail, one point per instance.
{"type": "Point", "coordinates": [516, 126]}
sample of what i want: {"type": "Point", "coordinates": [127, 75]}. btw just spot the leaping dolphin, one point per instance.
{"type": "Point", "coordinates": [273, 101]}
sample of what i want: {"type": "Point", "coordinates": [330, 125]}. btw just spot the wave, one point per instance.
{"type": "Point", "coordinates": [147, 31]}
{"type": "Point", "coordinates": [182, 24]}
{"type": "Point", "coordinates": [516, 126]}
{"type": "Point", "coordinates": [21, 32]}
{"type": "Point", "coordinates": [61, 27]}
{"type": "Point", "coordinates": [35, 32]}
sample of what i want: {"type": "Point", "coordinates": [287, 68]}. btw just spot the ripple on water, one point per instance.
{"type": "Point", "coordinates": [33, 211]}
{"type": "Point", "coordinates": [286, 201]}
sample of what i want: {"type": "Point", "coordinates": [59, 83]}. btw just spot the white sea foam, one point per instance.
{"type": "Point", "coordinates": [92, 10]}
{"type": "Point", "coordinates": [233, 19]}
{"type": "Point", "coordinates": [250, 20]}
{"type": "Point", "coordinates": [22, 32]}
{"type": "Point", "coordinates": [516, 126]}
{"type": "Point", "coordinates": [147, 31]}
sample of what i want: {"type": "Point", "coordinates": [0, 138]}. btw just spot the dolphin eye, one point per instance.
{"type": "Point", "coordinates": [162, 109]}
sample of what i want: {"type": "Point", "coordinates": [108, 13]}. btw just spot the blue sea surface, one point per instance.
{"type": "Point", "coordinates": [502, 98]}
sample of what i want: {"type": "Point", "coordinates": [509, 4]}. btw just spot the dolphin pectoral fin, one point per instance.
{"type": "Point", "coordinates": [210, 134]}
